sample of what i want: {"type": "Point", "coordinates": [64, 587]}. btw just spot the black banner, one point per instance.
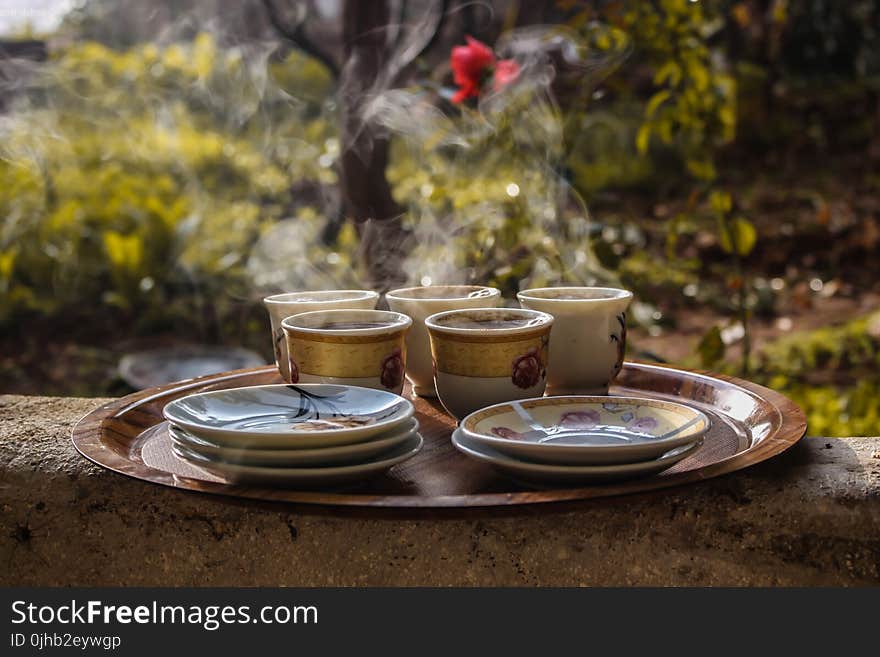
{"type": "Point", "coordinates": [412, 621]}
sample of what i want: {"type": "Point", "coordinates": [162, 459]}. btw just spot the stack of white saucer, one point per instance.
{"type": "Point", "coordinates": [309, 435]}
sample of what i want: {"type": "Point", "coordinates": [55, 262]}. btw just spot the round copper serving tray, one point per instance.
{"type": "Point", "coordinates": [750, 424]}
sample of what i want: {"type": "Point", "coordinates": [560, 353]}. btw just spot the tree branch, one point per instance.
{"type": "Point", "coordinates": [418, 49]}
{"type": "Point", "coordinates": [297, 36]}
{"type": "Point", "coordinates": [438, 29]}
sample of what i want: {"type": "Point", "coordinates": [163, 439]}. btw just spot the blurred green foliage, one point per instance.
{"type": "Point", "coordinates": [687, 114]}
{"type": "Point", "coordinates": [694, 106]}
{"type": "Point", "coordinates": [849, 349]}
{"type": "Point", "coordinates": [138, 180]}
{"type": "Point", "coordinates": [833, 373]}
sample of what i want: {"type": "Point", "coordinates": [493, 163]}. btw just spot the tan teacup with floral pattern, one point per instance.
{"type": "Point", "coordinates": [284, 305]}
{"type": "Point", "coordinates": [354, 347]}
{"type": "Point", "coordinates": [488, 355]}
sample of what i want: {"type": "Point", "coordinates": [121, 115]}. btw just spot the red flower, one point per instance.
{"type": "Point", "coordinates": [392, 369]}
{"type": "Point", "coordinates": [527, 369]}
{"type": "Point", "coordinates": [473, 64]}
{"type": "Point", "coordinates": [469, 64]}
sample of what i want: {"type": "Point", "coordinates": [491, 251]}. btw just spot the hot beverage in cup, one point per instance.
{"type": "Point", "coordinates": [487, 356]}
{"type": "Point", "coordinates": [589, 336]}
{"type": "Point", "coordinates": [355, 347]}
{"type": "Point", "coordinates": [419, 303]}
{"type": "Point", "coordinates": [280, 306]}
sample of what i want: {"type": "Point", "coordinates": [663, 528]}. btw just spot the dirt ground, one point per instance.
{"type": "Point", "coordinates": [36, 362]}
{"type": "Point", "coordinates": [678, 344]}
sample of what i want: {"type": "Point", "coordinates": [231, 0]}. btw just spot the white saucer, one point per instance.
{"type": "Point", "coordinates": [322, 456]}
{"type": "Point", "coordinates": [303, 477]}
{"type": "Point", "coordinates": [586, 430]}
{"type": "Point", "coordinates": [568, 474]}
{"type": "Point", "coordinates": [289, 416]}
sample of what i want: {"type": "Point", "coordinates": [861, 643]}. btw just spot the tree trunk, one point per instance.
{"type": "Point", "coordinates": [365, 189]}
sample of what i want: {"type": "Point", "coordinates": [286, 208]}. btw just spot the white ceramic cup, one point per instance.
{"type": "Point", "coordinates": [293, 303]}
{"type": "Point", "coordinates": [419, 303]}
{"type": "Point", "coordinates": [589, 336]}
{"type": "Point", "coordinates": [484, 356]}
{"type": "Point", "coordinates": [364, 348]}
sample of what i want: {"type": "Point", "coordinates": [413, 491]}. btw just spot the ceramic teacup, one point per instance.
{"type": "Point", "coordinates": [589, 336]}
{"type": "Point", "coordinates": [293, 303]}
{"type": "Point", "coordinates": [419, 303]}
{"type": "Point", "coordinates": [486, 356]}
{"type": "Point", "coordinates": [364, 348]}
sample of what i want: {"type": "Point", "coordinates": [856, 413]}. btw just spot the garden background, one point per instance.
{"type": "Point", "coordinates": [165, 164]}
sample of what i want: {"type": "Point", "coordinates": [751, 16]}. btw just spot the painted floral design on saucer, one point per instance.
{"type": "Point", "coordinates": [586, 430]}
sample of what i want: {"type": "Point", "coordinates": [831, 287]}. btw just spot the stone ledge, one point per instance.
{"type": "Point", "coordinates": [809, 517]}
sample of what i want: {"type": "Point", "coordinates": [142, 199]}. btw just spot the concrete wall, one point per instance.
{"type": "Point", "coordinates": [810, 516]}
